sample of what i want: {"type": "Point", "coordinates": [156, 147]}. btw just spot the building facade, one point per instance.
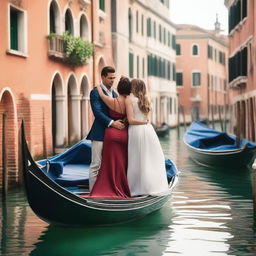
{"type": "Point", "coordinates": [38, 85]}
{"type": "Point", "coordinates": [144, 47]}
{"type": "Point", "coordinates": [242, 75]}
{"type": "Point", "coordinates": [201, 74]}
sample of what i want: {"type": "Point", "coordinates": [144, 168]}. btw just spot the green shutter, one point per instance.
{"type": "Point", "coordinates": [178, 52]}
{"type": "Point", "coordinates": [169, 70]}
{"type": "Point", "coordinates": [169, 39]}
{"type": "Point", "coordinates": [154, 29]}
{"type": "Point", "coordinates": [210, 52]}
{"type": "Point", "coordinates": [179, 79]}
{"type": "Point", "coordinates": [14, 30]}
{"type": "Point", "coordinates": [195, 50]}
{"type": "Point", "coordinates": [164, 36]}
{"type": "Point", "coordinates": [196, 79]}
{"type": "Point", "coordinates": [174, 72]}
{"type": "Point", "coordinates": [160, 33]}
{"type": "Point", "coordinates": [130, 24]}
{"type": "Point", "coordinates": [130, 65]}
{"type": "Point", "coordinates": [102, 5]}
{"type": "Point", "coordinates": [143, 67]}
{"type": "Point", "coordinates": [244, 9]}
{"type": "Point", "coordinates": [149, 27]}
{"type": "Point", "coordinates": [137, 21]}
{"type": "Point", "coordinates": [138, 66]}
{"type": "Point", "coordinates": [173, 42]}
{"type": "Point", "coordinates": [142, 24]}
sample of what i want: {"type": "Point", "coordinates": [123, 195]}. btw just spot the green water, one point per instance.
{"type": "Point", "coordinates": [210, 213]}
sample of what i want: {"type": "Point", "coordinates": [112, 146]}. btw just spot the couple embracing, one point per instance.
{"type": "Point", "coordinates": [127, 158]}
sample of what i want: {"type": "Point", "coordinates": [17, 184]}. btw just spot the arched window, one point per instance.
{"type": "Point", "coordinates": [69, 22]}
{"type": "Point", "coordinates": [54, 15]}
{"type": "Point", "coordinates": [84, 28]}
{"type": "Point", "coordinates": [73, 103]}
{"type": "Point", "coordinates": [84, 105]}
{"type": "Point", "coordinates": [58, 110]}
{"type": "Point", "coordinates": [52, 20]}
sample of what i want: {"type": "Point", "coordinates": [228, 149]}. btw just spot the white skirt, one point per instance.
{"type": "Point", "coordinates": [146, 162]}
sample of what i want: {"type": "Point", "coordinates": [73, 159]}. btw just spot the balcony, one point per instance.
{"type": "Point", "coordinates": [56, 47]}
{"type": "Point", "coordinates": [73, 51]}
{"type": "Point", "coordinates": [239, 82]}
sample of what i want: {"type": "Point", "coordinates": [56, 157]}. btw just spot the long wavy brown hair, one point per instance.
{"type": "Point", "coordinates": [139, 91]}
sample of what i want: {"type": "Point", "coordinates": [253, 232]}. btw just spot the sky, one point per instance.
{"type": "Point", "coordinates": [199, 12]}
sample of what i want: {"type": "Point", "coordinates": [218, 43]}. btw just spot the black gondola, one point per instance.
{"type": "Point", "coordinates": [58, 202]}
{"type": "Point", "coordinates": [162, 130]}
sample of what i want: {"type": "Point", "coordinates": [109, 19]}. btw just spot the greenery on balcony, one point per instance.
{"type": "Point", "coordinates": [75, 50]}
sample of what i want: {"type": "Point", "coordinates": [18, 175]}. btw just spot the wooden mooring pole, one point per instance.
{"type": "Point", "coordinates": [4, 164]}
{"type": "Point", "coordinates": [254, 187]}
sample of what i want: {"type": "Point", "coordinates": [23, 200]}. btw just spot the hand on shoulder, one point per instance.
{"type": "Point", "coordinates": [98, 87]}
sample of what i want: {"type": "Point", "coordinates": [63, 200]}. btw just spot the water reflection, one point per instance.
{"type": "Point", "coordinates": [141, 237]}
{"type": "Point", "coordinates": [211, 213]}
{"type": "Point", "coordinates": [214, 214]}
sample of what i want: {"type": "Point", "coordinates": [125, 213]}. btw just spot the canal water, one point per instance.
{"type": "Point", "coordinates": [210, 213]}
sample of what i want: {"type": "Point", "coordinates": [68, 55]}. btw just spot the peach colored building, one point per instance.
{"type": "Point", "coordinates": [242, 75]}
{"type": "Point", "coordinates": [201, 75]}
{"type": "Point", "coordinates": [36, 85]}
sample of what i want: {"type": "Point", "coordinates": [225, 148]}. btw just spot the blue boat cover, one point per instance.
{"type": "Point", "coordinates": [71, 167]}
{"type": "Point", "coordinates": [202, 137]}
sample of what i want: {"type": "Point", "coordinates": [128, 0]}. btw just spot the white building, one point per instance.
{"type": "Point", "coordinates": [143, 39]}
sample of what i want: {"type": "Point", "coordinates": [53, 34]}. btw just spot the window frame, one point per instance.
{"type": "Point", "coordinates": [22, 32]}
{"type": "Point", "coordinates": [178, 45]}
{"type": "Point", "coordinates": [179, 72]}
{"type": "Point", "coordinates": [192, 78]}
{"type": "Point", "coordinates": [102, 5]}
{"type": "Point", "coordinates": [192, 50]}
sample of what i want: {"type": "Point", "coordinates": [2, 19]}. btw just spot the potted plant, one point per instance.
{"type": "Point", "coordinates": [76, 50]}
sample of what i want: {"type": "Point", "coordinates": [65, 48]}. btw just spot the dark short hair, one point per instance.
{"type": "Point", "coordinates": [124, 86]}
{"type": "Point", "coordinates": [106, 70]}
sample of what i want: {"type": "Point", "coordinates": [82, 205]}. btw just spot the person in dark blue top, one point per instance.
{"type": "Point", "coordinates": [101, 121]}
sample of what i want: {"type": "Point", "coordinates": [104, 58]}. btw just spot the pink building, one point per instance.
{"type": "Point", "coordinates": [242, 75]}
{"type": "Point", "coordinates": [37, 84]}
{"type": "Point", "coordinates": [201, 74]}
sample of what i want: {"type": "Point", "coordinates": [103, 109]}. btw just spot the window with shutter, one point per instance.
{"type": "Point", "coordinates": [194, 50]}
{"type": "Point", "coordinates": [131, 65]}
{"type": "Point", "coordinates": [179, 78]}
{"type": "Point", "coordinates": [102, 5]}
{"type": "Point", "coordinates": [196, 77]}
{"type": "Point", "coordinates": [14, 30]}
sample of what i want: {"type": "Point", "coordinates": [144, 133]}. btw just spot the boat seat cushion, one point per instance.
{"type": "Point", "coordinates": [73, 175]}
{"type": "Point", "coordinates": [55, 169]}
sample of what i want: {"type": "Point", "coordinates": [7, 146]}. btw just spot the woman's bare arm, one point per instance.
{"type": "Point", "coordinates": [130, 114]}
{"type": "Point", "coordinates": [107, 100]}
